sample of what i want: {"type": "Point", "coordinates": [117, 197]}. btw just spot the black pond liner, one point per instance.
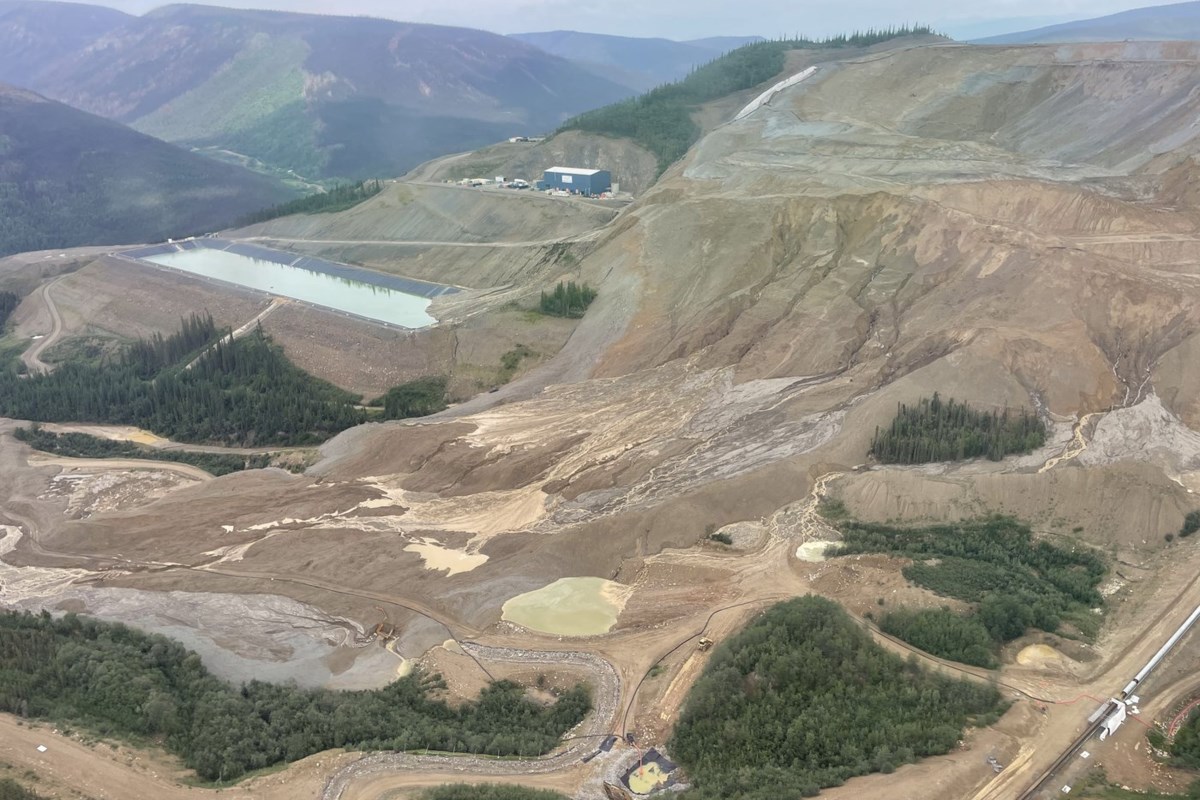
{"type": "Point", "coordinates": [652, 756]}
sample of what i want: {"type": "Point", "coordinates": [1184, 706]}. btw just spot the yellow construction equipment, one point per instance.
{"type": "Point", "coordinates": [704, 644]}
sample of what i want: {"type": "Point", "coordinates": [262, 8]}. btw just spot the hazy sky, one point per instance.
{"type": "Point", "coordinates": [684, 19]}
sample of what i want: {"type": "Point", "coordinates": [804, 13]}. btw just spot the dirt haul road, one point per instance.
{"type": "Point", "coordinates": [33, 356]}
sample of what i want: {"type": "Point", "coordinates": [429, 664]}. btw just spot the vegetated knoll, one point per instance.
{"type": "Point", "coordinates": [68, 178]}
{"type": "Point", "coordinates": [325, 96]}
{"type": "Point", "coordinates": [1013, 581]}
{"type": "Point", "coordinates": [937, 430]}
{"type": "Point", "coordinates": [804, 699]}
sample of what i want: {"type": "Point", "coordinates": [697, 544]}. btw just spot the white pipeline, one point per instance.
{"type": "Point", "coordinates": [1162, 652]}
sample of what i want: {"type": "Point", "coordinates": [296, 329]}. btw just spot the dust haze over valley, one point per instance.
{"type": "Point", "coordinates": [1012, 226]}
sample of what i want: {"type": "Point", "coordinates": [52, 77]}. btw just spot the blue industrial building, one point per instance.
{"type": "Point", "coordinates": [578, 181]}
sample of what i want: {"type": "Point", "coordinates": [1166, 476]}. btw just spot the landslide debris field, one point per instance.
{"type": "Point", "coordinates": [1011, 227]}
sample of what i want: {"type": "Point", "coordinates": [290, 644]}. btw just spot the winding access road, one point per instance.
{"type": "Point", "coordinates": [33, 356]}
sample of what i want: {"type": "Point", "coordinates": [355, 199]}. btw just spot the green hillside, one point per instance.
{"type": "Point", "coordinates": [324, 97]}
{"type": "Point", "coordinates": [68, 178]}
{"type": "Point", "coordinates": [252, 105]}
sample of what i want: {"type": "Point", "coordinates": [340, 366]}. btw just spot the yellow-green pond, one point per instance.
{"type": "Point", "coordinates": [569, 607]}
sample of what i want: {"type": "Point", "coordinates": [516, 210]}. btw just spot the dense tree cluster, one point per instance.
{"type": "Point", "coordinates": [242, 391]}
{"type": "Point", "coordinates": [934, 430]}
{"type": "Point", "coordinates": [83, 445]}
{"type": "Point", "coordinates": [239, 392]}
{"type": "Point", "coordinates": [568, 299]}
{"type": "Point", "coordinates": [803, 699]}
{"type": "Point", "coordinates": [8, 304]}
{"type": "Point", "coordinates": [1185, 747]}
{"type": "Point", "coordinates": [11, 790]}
{"type": "Point", "coordinates": [118, 681]}
{"type": "Point", "coordinates": [1014, 582]}
{"type": "Point", "coordinates": [958, 637]}
{"type": "Point", "coordinates": [150, 356]}
{"type": "Point", "coordinates": [341, 197]}
{"type": "Point", "coordinates": [414, 399]}
{"type": "Point", "coordinates": [661, 120]}
{"type": "Point", "coordinates": [471, 791]}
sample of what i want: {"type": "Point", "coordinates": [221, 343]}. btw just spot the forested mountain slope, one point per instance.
{"type": "Point", "coordinates": [1174, 22]}
{"type": "Point", "coordinates": [34, 34]}
{"type": "Point", "coordinates": [321, 95]}
{"type": "Point", "coordinates": [639, 63]}
{"type": "Point", "coordinates": [68, 178]}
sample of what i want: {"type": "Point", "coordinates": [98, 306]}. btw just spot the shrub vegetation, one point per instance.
{"type": "Point", "coordinates": [11, 790]}
{"type": "Point", "coordinates": [8, 304]}
{"type": "Point", "coordinates": [934, 430]}
{"type": "Point", "coordinates": [661, 120]}
{"type": "Point", "coordinates": [1014, 582]}
{"type": "Point", "coordinates": [83, 445]}
{"type": "Point", "coordinates": [803, 699]}
{"type": "Point", "coordinates": [415, 398]}
{"type": "Point", "coordinates": [1185, 748]}
{"type": "Point", "coordinates": [1191, 524]}
{"type": "Point", "coordinates": [119, 682]}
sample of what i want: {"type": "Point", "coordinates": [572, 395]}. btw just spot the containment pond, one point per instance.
{"type": "Point", "coordinates": [569, 607]}
{"type": "Point", "coordinates": [374, 296]}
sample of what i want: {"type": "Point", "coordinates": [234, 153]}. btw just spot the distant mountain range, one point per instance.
{"type": "Point", "coordinates": [640, 64]}
{"type": "Point", "coordinates": [1179, 21]}
{"type": "Point", "coordinates": [322, 96]}
{"type": "Point", "coordinates": [69, 178]}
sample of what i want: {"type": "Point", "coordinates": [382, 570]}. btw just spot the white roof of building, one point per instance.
{"type": "Point", "coordinates": [574, 171]}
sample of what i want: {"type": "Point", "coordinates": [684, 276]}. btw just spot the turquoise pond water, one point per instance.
{"type": "Point", "coordinates": [340, 294]}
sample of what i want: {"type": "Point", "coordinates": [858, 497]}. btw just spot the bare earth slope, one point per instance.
{"type": "Point", "coordinates": [1008, 226]}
